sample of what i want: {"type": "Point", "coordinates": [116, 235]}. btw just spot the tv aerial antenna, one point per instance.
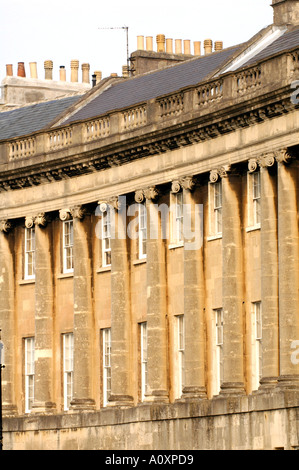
{"type": "Point", "coordinates": [126, 28]}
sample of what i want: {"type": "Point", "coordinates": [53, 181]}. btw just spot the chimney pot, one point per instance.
{"type": "Point", "coordinates": [94, 80]}
{"type": "Point", "coordinates": [140, 43]}
{"type": "Point", "coordinates": [187, 47]}
{"type": "Point", "coordinates": [169, 46]}
{"type": "Point", "coordinates": [113, 74]}
{"type": "Point", "coordinates": [178, 46]}
{"type": "Point", "coordinates": [33, 69]}
{"type": "Point", "coordinates": [125, 71]}
{"type": "Point", "coordinates": [218, 45]}
{"type": "Point", "coordinates": [208, 45]}
{"type": "Point", "coordinates": [85, 73]}
{"type": "Point", "coordinates": [149, 43]}
{"type": "Point", "coordinates": [9, 70]}
{"type": "Point", "coordinates": [48, 66]}
{"type": "Point", "coordinates": [197, 48]}
{"type": "Point", "coordinates": [160, 39]}
{"type": "Point", "coordinates": [21, 69]}
{"type": "Point", "coordinates": [98, 75]}
{"type": "Point", "coordinates": [74, 70]}
{"type": "Point", "coordinates": [62, 73]}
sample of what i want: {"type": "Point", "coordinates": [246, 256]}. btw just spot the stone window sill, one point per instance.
{"type": "Point", "coordinates": [104, 269]}
{"type": "Point", "coordinates": [139, 261]}
{"type": "Point", "coordinates": [173, 246]}
{"type": "Point", "coordinates": [65, 275]}
{"type": "Point", "coordinates": [253, 227]}
{"type": "Point", "coordinates": [24, 282]}
{"type": "Point", "coordinates": [214, 237]}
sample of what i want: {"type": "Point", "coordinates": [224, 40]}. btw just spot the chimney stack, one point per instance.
{"type": "Point", "coordinates": [9, 70]}
{"type": "Point", "coordinates": [74, 70]}
{"type": "Point", "coordinates": [85, 73]}
{"type": "Point", "coordinates": [208, 45]}
{"type": "Point", "coordinates": [286, 12]}
{"type": "Point", "coordinates": [160, 43]}
{"type": "Point", "coordinates": [48, 66]}
{"type": "Point", "coordinates": [21, 69]}
{"type": "Point", "coordinates": [33, 69]}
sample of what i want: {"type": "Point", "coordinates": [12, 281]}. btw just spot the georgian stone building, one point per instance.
{"type": "Point", "coordinates": [149, 254]}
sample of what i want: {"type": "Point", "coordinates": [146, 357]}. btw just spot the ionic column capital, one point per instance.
{"type": "Point", "coordinates": [185, 182]}
{"type": "Point", "coordinates": [78, 212]}
{"type": "Point", "coordinates": [266, 160]}
{"type": "Point", "coordinates": [41, 219]}
{"type": "Point", "coordinates": [65, 214]}
{"type": "Point", "coordinates": [283, 156]}
{"type": "Point", "coordinates": [150, 193]}
{"type": "Point", "coordinates": [221, 172]}
{"type": "Point", "coordinates": [5, 225]}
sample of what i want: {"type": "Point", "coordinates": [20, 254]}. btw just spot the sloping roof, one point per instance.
{"type": "Point", "coordinates": [29, 119]}
{"type": "Point", "coordinates": [125, 93]}
{"type": "Point", "coordinates": [288, 40]}
{"type": "Point", "coordinates": [153, 84]}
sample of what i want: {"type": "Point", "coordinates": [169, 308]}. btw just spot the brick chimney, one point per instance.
{"type": "Point", "coordinates": [286, 12]}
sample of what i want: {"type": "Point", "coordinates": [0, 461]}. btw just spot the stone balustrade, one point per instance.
{"type": "Point", "coordinates": [200, 100]}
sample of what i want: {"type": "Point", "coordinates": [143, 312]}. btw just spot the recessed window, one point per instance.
{"type": "Point", "coordinates": [215, 210]}
{"type": "Point", "coordinates": [68, 242]}
{"type": "Point", "coordinates": [68, 368]}
{"type": "Point", "coordinates": [254, 200]}
{"type": "Point", "coordinates": [257, 335]}
{"type": "Point", "coordinates": [29, 271]}
{"type": "Point", "coordinates": [106, 238]}
{"type": "Point", "coordinates": [29, 373]}
{"type": "Point", "coordinates": [142, 234]}
{"type": "Point", "coordinates": [106, 358]}
{"type": "Point", "coordinates": [177, 216]}
{"type": "Point", "coordinates": [143, 358]}
{"type": "Point", "coordinates": [181, 353]}
{"type": "Point", "coordinates": [218, 365]}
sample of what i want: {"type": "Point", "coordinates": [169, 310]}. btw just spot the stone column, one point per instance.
{"type": "Point", "coordinates": [232, 283]}
{"type": "Point", "coordinates": [157, 387]}
{"type": "Point", "coordinates": [288, 258]}
{"type": "Point", "coordinates": [269, 272]}
{"type": "Point", "coordinates": [83, 313]}
{"type": "Point", "coordinates": [195, 386]}
{"type": "Point", "coordinates": [121, 328]}
{"type": "Point", "coordinates": [7, 315]}
{"type": "Point", "coordinates": [44, 316]}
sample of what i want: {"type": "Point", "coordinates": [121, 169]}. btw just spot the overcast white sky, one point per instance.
{"type": "Point", "coordinates": [62, 30]}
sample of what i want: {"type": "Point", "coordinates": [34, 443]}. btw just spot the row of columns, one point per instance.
{"type": "Point", "coordinates": [280, 300]}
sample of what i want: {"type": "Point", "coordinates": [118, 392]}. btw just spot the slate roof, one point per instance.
{"type": "Point", "coordinates": [153, 84]}
{"type": "Point", "coordinates": [288, 40]}
{"type": "Point", "coordinates": [121, 94]}
{"type": "Point", "coordinates": [29, 119]}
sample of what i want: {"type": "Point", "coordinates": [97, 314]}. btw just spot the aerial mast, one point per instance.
{"type": "Point", "coordinates": [126, 28]}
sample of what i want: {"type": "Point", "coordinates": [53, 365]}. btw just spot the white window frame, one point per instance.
{"type": "Point", "coordinates": [181, 353]}
{"type": "Point", "coordinates": [106, 360]}
{"type": "Point", "coordinates": [218, 370]}
{"type": "Point", "coordinates": [68, 369]}
{"type": "Point", "coordinates": [143, 359]}
{"type": "Point", "coordinates": [29, 373]}
{"type": "Point", "coordinates": [218, 207]}
{"type": "Point", "coordinates": [177, 220]}
{"type": "Point", "coordinates": [257, 356]}
{"type": "Point", "coordinates": [254, 200]}
{"type": "Point", "coordinates": [142, 231]}
{"type": "Point", "coordinates": [106, 238]}
{"type": "Point", "coordinates": [29, 271]}
{"type": "Point", "coordinates": [67, 244]}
